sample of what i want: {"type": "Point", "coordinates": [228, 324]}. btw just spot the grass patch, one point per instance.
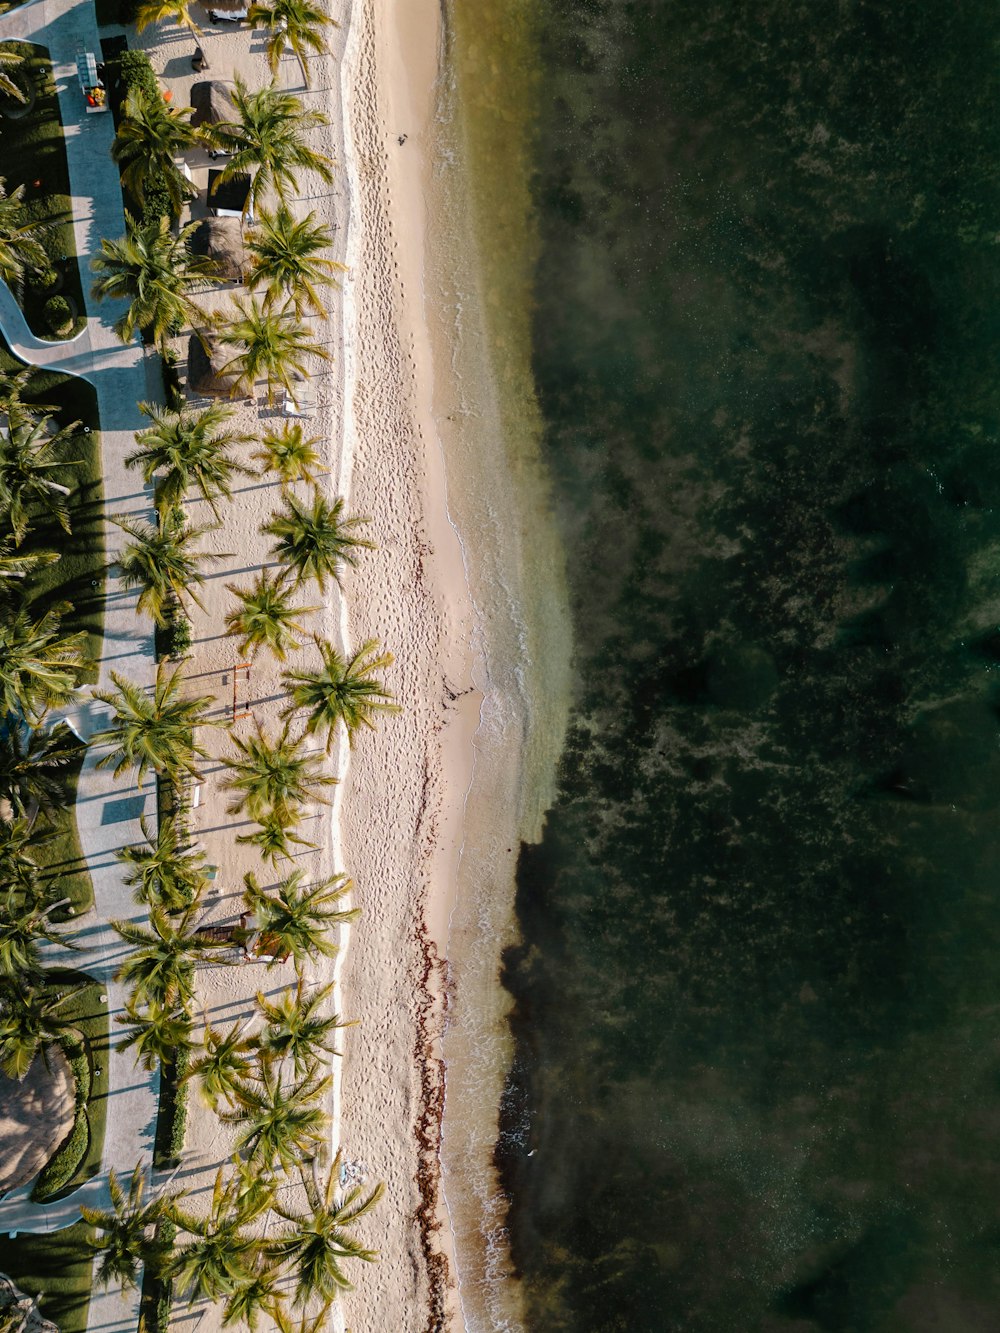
{"type": "Point", "coordinates": [60, 858]}
{"type": "Point", "coordinates": [32, 148]}
{"type": "Point", "coordinates": [56, 1268]}
{"type": "Point", "coordinates": [89, 1014]}
{"type": "Point", "coordinates": [78, 577]}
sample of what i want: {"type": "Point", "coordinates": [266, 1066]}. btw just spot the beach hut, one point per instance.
{"type": "Point", "coordinates": [206, 376]}
{"type": "Point", "coordinates": [228, 11]}
{"type": "Point", "coordinates": [221, 240]}
{"type": "Point", "coordinates": [212, 101]}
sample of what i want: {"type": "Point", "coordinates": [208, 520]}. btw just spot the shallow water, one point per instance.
{"type": "Point", "coordinates": [756, 1064]}
{"type": "Point", "coordinates": [479, 280]}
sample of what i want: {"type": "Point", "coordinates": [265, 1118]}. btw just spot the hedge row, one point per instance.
{"type": "Point", "coordinates": [171, 1119]}
{"type": "Point", "coordinates": [79, 1063]}
{"type": "Point", "coordinates": [158, 1291]}
{"type": "Point", "coordinates": [65, 1161]}
{"type": "Point", "coordinates": [134, 71]}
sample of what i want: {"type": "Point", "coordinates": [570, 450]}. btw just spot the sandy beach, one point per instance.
{"type": "Point", "coordinates": [394, 825]}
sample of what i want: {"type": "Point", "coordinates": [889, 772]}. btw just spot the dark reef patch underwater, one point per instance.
{"type": "Point", "coordinates": [758, 1000]}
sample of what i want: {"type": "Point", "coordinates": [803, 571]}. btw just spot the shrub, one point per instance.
{"type": "Point", "coordinates": [179, 1127]}
{"type": "Point", "coordinates": [44, 280]}
{"type": "Point", "coordinates": [180, 636]}
{"type": "Point", "coordinates": [80, 1065]}
{"type": "Point", "coordinates": [164, 1307]}
{"type": "Point", "coordinates": [136, 71]}
{"type": "Point", "coordinates": [171, 1121]}
{"type": "Point", "coordinates": [158, 1289]}
{"type": "Point", "coordinates": [157, 204]}
{"type": "Point", "coordinates": [58, 315]}
{"type": "Point", "coordinates": [65, 1161]}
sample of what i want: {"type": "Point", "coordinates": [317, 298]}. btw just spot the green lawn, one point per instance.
{"type": "Point", "coordinates": [62, 858]}
{"type": "Point", "coordinates": [33, 154]}
{"type": "Point", "coordinates": [56, 1267]}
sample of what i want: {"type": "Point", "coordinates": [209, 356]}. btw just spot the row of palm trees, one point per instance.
{"type": "Point", "coordinates": [153, 269]}
{"type": "Point", "coordinates": [221, 1253]}
{"type": "Point", "coordinates": [266, 1074]}
{"type": "Point", "coordinates": [41, 661]}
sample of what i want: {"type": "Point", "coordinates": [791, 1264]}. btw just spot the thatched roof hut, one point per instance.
{"type": "Point", "coordinates": [221, 240]}
{"type": "Point", "coordinates": [206, 362]}
{"type": "Point", "coordinates": [36, 1114]}
{"type": "Point", "coordinates": [212, 101]}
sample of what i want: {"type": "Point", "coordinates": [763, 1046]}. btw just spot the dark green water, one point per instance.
{"type": "Point", "coordinates": [758, 1003]}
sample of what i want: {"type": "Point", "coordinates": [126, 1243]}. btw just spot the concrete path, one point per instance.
{"type": "Point", "coordinates": [107, 810]}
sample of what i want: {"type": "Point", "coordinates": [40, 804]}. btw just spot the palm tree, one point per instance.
{"type": "Point", "coordinates": [128, 1230]}
{"type": "Point", "coordinates": [275, 836]}
{"type": "Point", "coordinates": [274, 775]}
{"type": "Point", "coordinates": [30, 1019]}
{"type": "Point", "coordinates": [15, 388]}
{"type": "Point", "coordinates": [286, 452]}
{"type": "Point", "coordinates": [320, 1241]}
{"type": "Point", "coordinates": [17, 566]}
{"type": "Point", "coordinates": [266, 617]}
{"type": "Point", "coordinates": [160, 561]}
{"type": "Point", "coordinates": [21, 248]}
{"type": "Point", "coordinates": [32, 764]}
{"type": "Point", "coordinates": [341, 691]}
{"type": "Point", "coordinates": [39, 668]}
{"type": "Point", "coordinates": [288, 255]}
{"type": "Point", "coordinates": [166, 871]}
{"type": "Point", "coordinates": [265, 143]}
{"type": "Point", "coordinates": [10, 60]}
{"type": "Point", "coordinates": [153, 731]}
{"type": "Point", "coordinates": [297, 24]}
{"type": "Point", "coordinates": [225, 1061]}
{"type": "Point", "coordinates": [281, 1124]}
{"type": "Point", "coordinates": [297, 919]}
{"type": "Point", "coordinates": [296, 1028]}
{"type": "Point", "coordinates": [161, 967]}
{"type": "Point", "coordinates": [148, 12]}
{"type": "Point", "coordinates": [29, 452]}
{"type": "Point", "coordinates": [273, 347]}
{"type": "Point", "coordinates": [19, 840]}
{"type": "Point", "coordinates": [220, 1259]}
{"type": "Point", "coordinates": [315, 539]}
{"type": "Point", "coordinates": [306, 1323]}
{"type": "Point", "coordinates": [154, 271]}
{"type": "Point", "coordinates": [260, 1295]}
{"type": "Point", "coordinates": [157, 1035]}
{"type": "Point", "coordinates": [189, 451]}
{"type": "Point", "coordinates": [150, 137]}
{"type": "Point", "coordinates": [23, 927]}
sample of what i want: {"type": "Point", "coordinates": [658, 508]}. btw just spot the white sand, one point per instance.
{"type": "Point", "coordinates": [399, 805]}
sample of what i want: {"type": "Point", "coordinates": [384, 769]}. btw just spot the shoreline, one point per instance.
{"type": "Point", "coordinates": [436, 789]}
{"type": "Point", "coordinates": [476, 612]}
{"type": "Point", "coordinates": [411, 772]}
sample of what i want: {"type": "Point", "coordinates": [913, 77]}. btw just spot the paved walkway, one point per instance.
{"type": "Point", "coordinates": [108, 810]}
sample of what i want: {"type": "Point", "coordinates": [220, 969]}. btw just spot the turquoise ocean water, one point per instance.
{"type": "Point", "coordinates": [757, 1002]}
